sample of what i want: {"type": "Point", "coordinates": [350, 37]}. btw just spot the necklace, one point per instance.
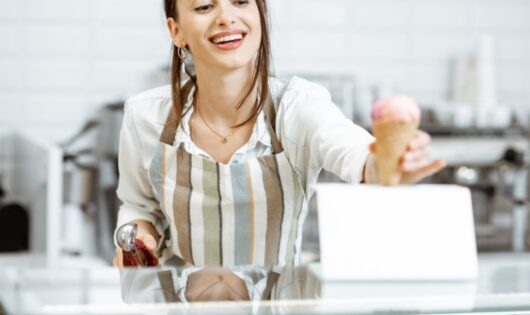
{"type": "Point", "coordinates": [224, 139]}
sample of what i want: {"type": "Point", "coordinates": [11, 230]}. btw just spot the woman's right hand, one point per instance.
{"type": "Point", "coordinates": [147, 233]}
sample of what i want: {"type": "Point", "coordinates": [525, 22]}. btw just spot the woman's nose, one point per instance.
{"type": "Point", "coordinates": [225, 16]}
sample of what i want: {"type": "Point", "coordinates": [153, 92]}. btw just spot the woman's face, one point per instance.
{"type": "Point", "coordinates": [219, 33]}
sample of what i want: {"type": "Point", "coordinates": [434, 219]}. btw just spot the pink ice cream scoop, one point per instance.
{"type": "Point", "coordinates": [394, 124]}
{"type": "Point", "coordinates": [396, 108]}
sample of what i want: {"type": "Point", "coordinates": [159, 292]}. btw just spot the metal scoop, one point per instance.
{"type": "Point", "coordinates": [125, 238]}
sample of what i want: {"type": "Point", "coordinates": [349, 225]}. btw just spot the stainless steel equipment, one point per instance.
{"type": "Point", "coordinates": [495, 168]}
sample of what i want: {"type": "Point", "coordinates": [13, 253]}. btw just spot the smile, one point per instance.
{"type": "Point", "coordinates": [228, 40]}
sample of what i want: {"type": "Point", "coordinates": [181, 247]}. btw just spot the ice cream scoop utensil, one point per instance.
{"type": "Point", "coordinates": [126, 237]}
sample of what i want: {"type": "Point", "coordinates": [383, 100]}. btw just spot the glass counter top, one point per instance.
{"type": "Point", "coordinates": [503, 286]}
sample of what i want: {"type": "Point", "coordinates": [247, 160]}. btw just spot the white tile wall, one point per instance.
{"type": "Point", "coordinates": [62, 59]}
{"type": "Point", "coordinates": [378, 14]}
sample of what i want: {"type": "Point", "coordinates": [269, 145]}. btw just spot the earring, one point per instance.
{"type": "Point", "coordinates": [181, 52]}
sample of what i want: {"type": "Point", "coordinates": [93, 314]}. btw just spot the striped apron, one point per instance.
{"type": "Point", "coordinates": [228, 215]}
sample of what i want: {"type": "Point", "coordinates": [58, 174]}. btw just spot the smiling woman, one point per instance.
{"type": "Point", "coordinates": [218, 170]}
{"type": "Point", "coordinates": [192, 27]}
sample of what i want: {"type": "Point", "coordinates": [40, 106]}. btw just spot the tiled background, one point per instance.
{"type": "Point", "coordinates": [60, 60]}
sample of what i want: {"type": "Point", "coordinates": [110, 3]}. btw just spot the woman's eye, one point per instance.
{"type": "Point", "coordinates": [241, 2]}
{"type": "Point", "coordinates": [203, 8]}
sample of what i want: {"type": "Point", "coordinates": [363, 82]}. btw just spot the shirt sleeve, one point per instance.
{"type": "Point", "coordinates": [324, 137]}
{"type": "Point", "coordinates": [134, 188]}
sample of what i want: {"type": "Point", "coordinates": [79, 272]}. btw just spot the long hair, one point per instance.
{"type": "Point", "coordinates": [260, 75]}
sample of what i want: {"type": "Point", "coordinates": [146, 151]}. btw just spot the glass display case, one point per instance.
{"type": "Point", "coordinates": [503, 286]}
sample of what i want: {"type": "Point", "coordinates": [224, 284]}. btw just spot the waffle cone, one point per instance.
{"type": "Point", "coordinates": [392, 138]}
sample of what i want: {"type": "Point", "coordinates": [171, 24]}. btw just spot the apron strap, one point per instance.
{"type": "Point", "coordinates": [270, 115]}
{"type": "Point", "coordinates": [170, 127]}
{"type": "Point", "coordinates": [271, 281]}
{"type": "Point", "coordinates": [168, 287]}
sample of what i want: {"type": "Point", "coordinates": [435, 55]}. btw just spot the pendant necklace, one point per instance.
{"type": "Point", "coordinates": [224, 139]}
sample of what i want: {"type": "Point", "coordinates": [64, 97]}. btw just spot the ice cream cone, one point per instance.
{"type": "Point", "coordinates": [392, 138]}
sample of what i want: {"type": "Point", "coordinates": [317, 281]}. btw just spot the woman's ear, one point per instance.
{"type": "Point", "coordinates": [174, 31]}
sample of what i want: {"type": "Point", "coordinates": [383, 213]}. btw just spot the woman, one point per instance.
{"type": "Point", "coordinates": [218, 170]}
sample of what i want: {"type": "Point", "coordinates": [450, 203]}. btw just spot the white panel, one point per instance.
{"type": "Point", "coordinates": [127, 77]}
{"type": "Point", "coordinates": [10, 73]}
{"type": "Point", "coordinates": [56, 108]}
{"type": "Point", "coordinates": [52, 132]}
{"type": "Point", "coordinates": [444, 14]}
{"type": "Point", "coordinates": [10, 39]}
{"type": "Point", "coordinates": [10, 9]}
{"type": "Point", "coordinates": [58, 40]}
{"type": "Point", "coordinates": [432, 79]}
{"type": "Point", "coordinates": [378, 13]}
{"type": "Point", "coordinates": [407, 225]}
{"type": "Point", "coordinates": [293, 65]}
{"type": "Point", "coordinates": [394, 74]}
{"type": "Point", "coordinates": [279, 12]}
{"type": "Point", "coordinates": [317, 43]}
{"type": "Point", "coordinates": [506, 14]}
{"type": "Point", "coordinates": [428, 96]}
{"type": "Point", "coordinates": [57, 74]}
{"type": "Point", "coordinates": [513, 77]}
{"type": "Point", "coordinates": [369, 44]}
{"type": "Point", "coordinates": [512, 45]}
{"type": "Point", "coordinates": [318, 12]}
{"type": "Point", "coordinates": [10, 107]}
{"type": "Point", "coordinates": [137, 11]}
{"type": "Point", "coordinates": [56, 10]}
{"type": "Point", "coordinates": [132, 41]}
{"type": "Point", "coordinates": [441, 45]}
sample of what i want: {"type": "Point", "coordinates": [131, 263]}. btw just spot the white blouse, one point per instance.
{"type": "Point", "coordinates": [312, 130]}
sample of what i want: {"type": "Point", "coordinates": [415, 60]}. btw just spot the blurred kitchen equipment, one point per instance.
{"type": "Point", "coordinates": [513, 180]}
{"type": "Point", "coordinates": [14, 225]}
{"type": "Point", "coordinates": [79, 210]}
{"type": "Point", "coordinates": [496, 171]}
{"type": "Point", "coordinates": [465, 116]}
{"type": "Point", "coordinates": [110, 120]}
{"type": "Point", "coordinates": [35, 180]}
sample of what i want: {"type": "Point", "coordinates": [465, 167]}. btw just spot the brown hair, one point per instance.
{"type": "Point", "coordinates": [260, 78]}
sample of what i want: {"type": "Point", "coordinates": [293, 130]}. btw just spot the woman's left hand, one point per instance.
{"type": "Point", "coordinates": [415, 163]}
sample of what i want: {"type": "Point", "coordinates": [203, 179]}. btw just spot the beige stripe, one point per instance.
{"type": "Point", "coordinates": [274, 208]}
{"type": "Point", "coordinates": [251, 198]}
{"type": "Point", "coordinates": [181, 204]}
{"type": "Point", "coordinates": [228, 217]}
{"type": "Point", "coordinates": [210, 209]}
{"type": "Point", "coordinates": [169, 161]}
{"type": "Point", "coordinates": [164, 195]}
{"type": "Point", "coordinates": [260, 212]}
{"type": "Point", "coordinates": [290, 199]}
{"type": "Point", "coordinates": [196, 215]}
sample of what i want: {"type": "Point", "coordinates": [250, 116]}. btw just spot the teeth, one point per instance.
{"type": "Point", "coordinates": [227, 38]}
